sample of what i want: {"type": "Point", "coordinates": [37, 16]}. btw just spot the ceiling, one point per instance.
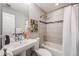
{"type": "Point", "coordinates": [48, 7]}
{"type": "Point", "coordinates": [23, 7]}
{"type": "Point", "coordinates": [20, 7]}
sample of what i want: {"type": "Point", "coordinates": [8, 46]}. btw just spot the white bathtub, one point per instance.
{"type": "Point", "coordinates": [55, 49]}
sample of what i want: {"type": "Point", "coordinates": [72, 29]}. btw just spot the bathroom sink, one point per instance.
{"type": "Point", "coordinates": [20, 46]}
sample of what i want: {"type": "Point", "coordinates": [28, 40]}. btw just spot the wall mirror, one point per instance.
{"type": "Point", "coordinates": [14, 20]}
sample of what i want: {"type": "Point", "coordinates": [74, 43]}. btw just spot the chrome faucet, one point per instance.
{"type": "Point", "coordinates": [18, 37]}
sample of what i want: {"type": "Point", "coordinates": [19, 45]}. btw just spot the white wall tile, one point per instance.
{"type": "Point", "coordinates": [54, 30]}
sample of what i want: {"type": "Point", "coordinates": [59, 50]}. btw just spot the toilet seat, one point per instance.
{"type": "Point", "coordinates": [43, 52]}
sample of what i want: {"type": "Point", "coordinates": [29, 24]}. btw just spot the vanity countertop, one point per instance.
{"type": "Point", "coordinates": [18, 47]}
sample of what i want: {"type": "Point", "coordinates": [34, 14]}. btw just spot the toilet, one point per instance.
{"type": "Point", "coordinates": [41, 51]}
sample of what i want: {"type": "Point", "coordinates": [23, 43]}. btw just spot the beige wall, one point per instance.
{"type": "Point", "coordinates": [35, 12]}
{"type": "Point", "coordinates": [54, 30]}
{"type": "Point", "coordinates": [42, 32]}
{"type": "Point", "coordinates": [55, 15]}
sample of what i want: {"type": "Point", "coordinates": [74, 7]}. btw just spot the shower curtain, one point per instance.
{"type": "Point", "coordinates": [70, 30]}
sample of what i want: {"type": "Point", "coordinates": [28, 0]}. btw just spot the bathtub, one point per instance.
{"type": "Point", "coordinates": [55, 49]}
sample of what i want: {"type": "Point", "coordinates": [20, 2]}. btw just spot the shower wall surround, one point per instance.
{"type": "Point", "coordinates": [55, 26]}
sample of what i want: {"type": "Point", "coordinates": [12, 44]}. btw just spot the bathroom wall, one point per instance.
{"type": "Point", "coordinates": [20, 18]}
{"type": "Point", "coordinates": [42, 32]}
{"type": "Point", "coordinates": [0, 25]}
{"type": "Point", "coordinates": [54, 30]}
{"type": "Point", "coordinates": [35, 13]}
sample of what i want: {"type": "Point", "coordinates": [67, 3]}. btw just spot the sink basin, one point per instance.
{"type": "Point", "coordinates": [20, 46]}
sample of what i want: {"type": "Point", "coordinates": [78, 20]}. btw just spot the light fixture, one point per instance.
{"type": "Point", "coordinates": [57, 4]}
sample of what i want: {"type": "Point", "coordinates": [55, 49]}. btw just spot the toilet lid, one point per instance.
{"type": "Point", "coordinates": [43, 52]}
